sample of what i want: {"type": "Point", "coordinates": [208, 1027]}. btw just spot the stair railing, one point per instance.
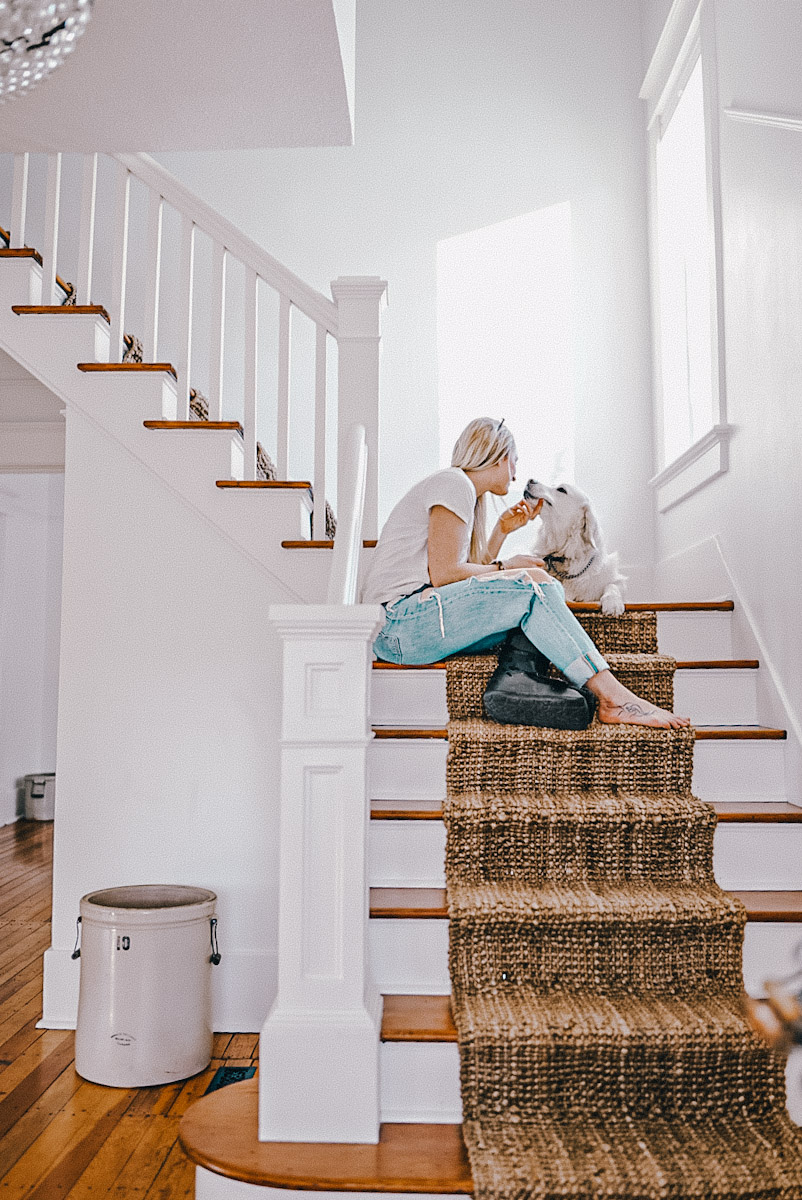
{"type": "Point", "coordinates": [351, 319]}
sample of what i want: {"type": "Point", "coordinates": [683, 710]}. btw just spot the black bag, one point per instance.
{"type": "Point", "coordinates": [522, 693]}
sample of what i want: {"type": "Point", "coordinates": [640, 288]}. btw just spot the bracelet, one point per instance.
{"type": "Point", "coordinates": [497, 563]}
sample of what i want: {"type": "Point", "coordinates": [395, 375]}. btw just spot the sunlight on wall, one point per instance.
{"type": "Point", "coordinates": [504, 338]}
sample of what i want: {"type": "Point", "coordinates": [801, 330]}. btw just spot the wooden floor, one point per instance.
{"type": "Point", "coordinates": [61, 1137]}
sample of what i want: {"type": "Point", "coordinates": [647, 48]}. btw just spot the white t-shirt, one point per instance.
{"type": "Point", "coordinates": [400, 563]}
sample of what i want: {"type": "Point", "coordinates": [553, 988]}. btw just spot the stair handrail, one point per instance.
{"type": "Point", "coordinates": [312, 303]}
{"type": "Point", "coordinates": [348, 540]}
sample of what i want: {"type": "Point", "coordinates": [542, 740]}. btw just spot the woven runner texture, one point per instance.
{"type": "Point", "coordinates": [596, 967]}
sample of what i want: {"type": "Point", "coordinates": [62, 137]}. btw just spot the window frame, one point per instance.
{"type": "Point", "coordinates": [688, 35]}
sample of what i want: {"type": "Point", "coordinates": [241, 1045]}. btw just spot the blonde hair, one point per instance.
{"type": "Point", "coordinates": [482, 443]}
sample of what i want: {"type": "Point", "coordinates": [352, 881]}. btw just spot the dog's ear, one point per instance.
{"type": "Point", "coordinates": [590, 528]}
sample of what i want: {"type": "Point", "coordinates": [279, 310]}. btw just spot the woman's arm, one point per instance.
{"type": "Point", "coordinates": [449, 539]}
{"type": "Point", "coordinates": [513, 518]}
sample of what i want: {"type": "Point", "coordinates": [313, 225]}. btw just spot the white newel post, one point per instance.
{"type": "Point", "coordinates": [359, 300]}
{"type": "Point", "coordinates": [319, 1048]}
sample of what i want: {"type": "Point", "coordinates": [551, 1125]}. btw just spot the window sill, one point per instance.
{"type": "Point", "coordinates": [705, 460]}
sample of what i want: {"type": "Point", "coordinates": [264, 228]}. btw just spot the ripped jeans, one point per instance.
{"type": "Point", "coordinates": [475, 614]}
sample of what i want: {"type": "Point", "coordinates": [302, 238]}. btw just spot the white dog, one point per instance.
{"type": "Point", "coordinates": [571, 544]}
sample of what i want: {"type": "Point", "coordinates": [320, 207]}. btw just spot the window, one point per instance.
{"type": "Point", "coordinates": [505, 341]}
{"type": "Point", "coordinates": [683, 272]}
{"type": "Point", "coordinates": [685, 218]}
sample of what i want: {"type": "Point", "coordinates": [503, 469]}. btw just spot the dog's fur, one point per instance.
{"type": "Point", "coordinates": [569, 531]}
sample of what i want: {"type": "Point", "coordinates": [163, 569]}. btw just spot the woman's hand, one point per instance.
{"type": "Point", "coordinates": [518, 515]}
{"type": "Point", "coordinates": [522, 560]}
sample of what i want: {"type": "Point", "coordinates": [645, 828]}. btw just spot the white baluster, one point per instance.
{"type": "Point", "coordinates": [86, 230]}
{"type": "Point", "coordinates": [283, 431]}
{"type": "Point", "coordinates": [19, 200]}
{"type": "Point", "coordinates": [319, 513]}
{"type": "Point", "coordinates": [186, 279]}
{"type": "Point", "coordinates": [251, 342]}
{"type": "Point", "coordinates": [119, 262]}
{"type": "Point", "coordinates": [52, 206]}
{"type": "Point", "coordinates": [217, 332]}
{"type": "Point", "coordinates": [153, 272]}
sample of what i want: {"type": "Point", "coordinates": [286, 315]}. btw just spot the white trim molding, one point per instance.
{"type": "Point", "coordinates": [669, 45]}
{"type": "Point", "coordinates": [752, 116]}
{"type": "Point", "coordinates": [702, 462]}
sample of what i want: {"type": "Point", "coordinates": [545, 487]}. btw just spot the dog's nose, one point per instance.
{"type": "Point", "coordinates": [530, 487]}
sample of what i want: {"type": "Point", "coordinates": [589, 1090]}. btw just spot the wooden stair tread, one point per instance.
{"type": "Point", "coordinates": [696, 664]}
{"type": "Point", "coordinates": [408, 810]}
{"type": "Point", "coordinates": [753, 811]}
{"type": "Point", "coordinates": [52, 310]}
{"type": "Point", "coordinates": [704, 733]}
{"type": "Point", "coordinates": [756, 810]}
{"type": "Point", "coordinates": [417, 1019]}
{"type": "Point", "coordinates": [264, 483]}
{"type": "Point", "coordinates": [320, 544]}
{"type": "Point", "coordinates": [661, 606]}
{"type": "Point", "coordinates": [219, 1133]}
{"type": "Point", "coordinates": [22, 252]}
{"type": "Point", "coordinates": [130, 369]}
{"type": "Point", "coordinates": [430, 904]}
{"type": "Point", "coordinates": [231, 425]}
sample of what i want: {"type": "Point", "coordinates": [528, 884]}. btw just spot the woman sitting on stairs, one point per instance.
{"type": "Point", "coordinates": [445, 590]}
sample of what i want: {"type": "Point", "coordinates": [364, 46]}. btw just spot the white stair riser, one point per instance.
{"type": "Point", "coordinates": [751, 769]}
{"type": "Point", "coordinates": [757, 857]}
{"type": "Point", "coordinates": [21, 280]}
{"type": "Point", "coordinates": [410, 956]}
{"type": "Point", "coordinates": [695, 635]}
{"type": "Point", "coordinates": [79, 338]}
{"type": "Point", "coordinates": [210, 454]}
{"type": "Point", "coordinates": [209, 1186]}
{"type": "Point", "coordinates": [420, 1083]}
{"type": "Point", "coordinates": [711, 697]}
{"type": "Point", "coordinates": [406, 853]}
{"type": "Point", "coordinates": [417, 699]}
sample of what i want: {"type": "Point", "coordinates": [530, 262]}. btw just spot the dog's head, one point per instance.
{"type": "Point", "coordinates": [569, 526]}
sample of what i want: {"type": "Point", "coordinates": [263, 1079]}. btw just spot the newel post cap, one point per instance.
{"type": "Point", "coordinates": [359, 300]}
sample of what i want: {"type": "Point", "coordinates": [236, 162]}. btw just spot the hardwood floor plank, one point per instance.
{"type": "Point", "coordinates": [82, 1125]}
{"type": "Point", "coordinates": [25, 1003]}
{"type": "Point", "coordinates": [71, 1165]}
{"type": "Point", "coordinates": [192, 1090]}
{"type": "Point", "coordinates": [176, 1180]}
{"type": "Point", "coordinates": [102, 1173]}
{"type": "Point", "coordinates": [24, 1036]}
{"type": "Point", "coordinates": [243, 1045]}
{"type": "Point", "coordinates": [25, 1132]}
{"type": "Point", "coordinates": [31, 970]}
{"type": "Point", "coordinates": [147, 1159]}
{"type": "Point", "coordinates": [49, 1058]}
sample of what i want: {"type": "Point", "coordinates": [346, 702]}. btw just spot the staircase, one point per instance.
{"type": "Point", "coordinates": [739, 764]}
{"type": "Point", "coordinates": [738, 769]}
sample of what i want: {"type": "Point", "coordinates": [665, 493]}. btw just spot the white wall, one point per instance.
{"type": "Point", "coordinates": [468, 114]}
{"type": "Point", "coordinates": [755, 509]}
{"type": "Point", "coordinates": [31, 519]}
{"type": "Point", "coordinates": [168, 719]}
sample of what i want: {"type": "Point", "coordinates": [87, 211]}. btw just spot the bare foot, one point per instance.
{"type": "Point", "coordinates": [639, 712]}
{"type": "Point", "coordinates": [619, 706]}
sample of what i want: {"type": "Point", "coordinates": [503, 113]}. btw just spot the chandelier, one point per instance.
{"type": "Point", "coordinates": [35, 36]}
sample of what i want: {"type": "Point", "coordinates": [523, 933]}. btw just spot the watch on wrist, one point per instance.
{"type": "Point", "coordinates": [497, 563]}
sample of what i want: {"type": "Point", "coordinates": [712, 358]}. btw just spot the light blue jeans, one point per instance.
{"type": "Point", "coordinates": [475, 614]}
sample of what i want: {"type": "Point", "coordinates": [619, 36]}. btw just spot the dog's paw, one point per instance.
{"type": "Point", "coordinates": [612, 603]}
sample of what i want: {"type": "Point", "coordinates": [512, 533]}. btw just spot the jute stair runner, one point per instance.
{"type": "Point", "coordinates": [596, 966]}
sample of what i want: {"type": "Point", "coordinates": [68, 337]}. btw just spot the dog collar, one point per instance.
{"type": "Point", "coordinates": [552, 559]}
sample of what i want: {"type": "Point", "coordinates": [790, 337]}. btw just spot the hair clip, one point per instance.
{"type": "Point", "coordinates": [501, 422]}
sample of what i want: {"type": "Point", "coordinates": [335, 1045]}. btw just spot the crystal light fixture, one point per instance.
{"type": "Point", "coordinates": [35, 36]}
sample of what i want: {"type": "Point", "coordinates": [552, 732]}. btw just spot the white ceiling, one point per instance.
{"type": "Point", "coordinates": [196, 75]}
